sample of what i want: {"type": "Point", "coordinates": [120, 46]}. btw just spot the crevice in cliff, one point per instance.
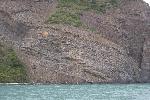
{"type": "Point", "coordinates": [141, 55]}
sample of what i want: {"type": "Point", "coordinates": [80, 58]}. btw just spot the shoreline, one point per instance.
{"type": "Point", "coordinates": [72, 84]}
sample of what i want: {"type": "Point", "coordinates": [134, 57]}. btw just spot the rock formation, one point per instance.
{"type": "Point", "coordinates": [119, 51]}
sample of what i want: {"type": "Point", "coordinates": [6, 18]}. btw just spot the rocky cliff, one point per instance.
{"type": "Point", "coordinates": [116, 51]}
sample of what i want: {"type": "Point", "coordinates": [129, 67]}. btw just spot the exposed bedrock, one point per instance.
{"type": "Point", "coordinates": [81, 57]}
{"type": "Point", "coordinates": [145, 65]}
{"type": "Point", "coordinates": [126, 25]}
{"type": "Point", "coordinates": [119, 53]}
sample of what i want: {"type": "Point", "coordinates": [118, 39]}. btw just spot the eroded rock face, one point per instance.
{"type": "Point", "coordinates": [72, 55]}
{"type": "Point", "coordinates": [145, 65]}
{"type": "Point", "coordinates": [80, 56]}
{"type": "Point", "coordinates": [126, 25]}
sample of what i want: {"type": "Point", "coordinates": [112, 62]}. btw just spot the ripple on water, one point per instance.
{"type": "Point", "coordinates": [75, 92]}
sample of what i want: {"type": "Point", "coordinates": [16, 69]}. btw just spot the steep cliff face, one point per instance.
{"type": "Point", "coordinates": [145, 65]}
{"type": "Point", "coordinates": [117, 52]}
{"type": "Point", "coordinates": [126, 25]}
{"type": "Point", "coordinates": [78, 56]}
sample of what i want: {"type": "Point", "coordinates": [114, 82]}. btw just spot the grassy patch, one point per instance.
{"type": "Point", "coordinates": [11, 69]}
{"type": "Point", "coordinates": [92, 29]}
{"type": "Point", "coordinates": [69, 11]}
{"type": "Point", "coordinates": [65, 18]}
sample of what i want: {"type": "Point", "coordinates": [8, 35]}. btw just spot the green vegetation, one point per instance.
{"type": "Point", "coordinates": [69, 11]}
{"type": "Point", "coordinates": [65, 18]}
{"type": "Point", "coordinates": [11, 69]}
{"type": "Point", "coordinates": [92, 29]}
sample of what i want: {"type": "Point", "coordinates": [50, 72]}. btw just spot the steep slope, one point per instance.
{"type": "Point", "coordinates": [62, 53]}
{"type": "Point", "coordinates": [126, 25]}
{"type": "Point", "coordinates": [145, 65]}
{"type": "Point", "coordinates": [73, 56]}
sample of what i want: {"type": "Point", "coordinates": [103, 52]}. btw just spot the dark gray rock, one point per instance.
{"type": "Point", "coordinates": [145, 65]}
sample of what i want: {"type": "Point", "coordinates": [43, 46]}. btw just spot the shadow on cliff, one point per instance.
{"type": "Point", "coordinates": [15, 30]}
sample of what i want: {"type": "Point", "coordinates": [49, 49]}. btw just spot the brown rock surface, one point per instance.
{"type": "Point", "coordinates": [73, 55]}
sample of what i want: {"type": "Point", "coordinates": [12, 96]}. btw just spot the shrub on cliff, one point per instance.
{"type": "Point", "coordinates": [11, 68]}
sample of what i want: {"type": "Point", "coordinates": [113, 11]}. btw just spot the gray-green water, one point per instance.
{"type": "Point", "coordinates": [75, 92]}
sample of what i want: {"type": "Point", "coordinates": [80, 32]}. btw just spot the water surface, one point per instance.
{"type": "Point", "coordinates": [75, 92]}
